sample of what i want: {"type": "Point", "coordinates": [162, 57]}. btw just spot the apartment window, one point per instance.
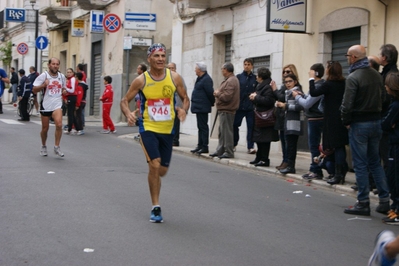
{"type": "Point", "coordinates": [65, 35]}
{"type": "Point", "coordinates": [262, 61]}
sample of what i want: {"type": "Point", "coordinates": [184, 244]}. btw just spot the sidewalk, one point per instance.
{"type": "Point", "coordinates": [242, 159]}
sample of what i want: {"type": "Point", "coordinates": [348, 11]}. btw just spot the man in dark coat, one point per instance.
{"type": "Point", "coordinates": [202, 100]}
{"type": "Point", "coordinates": [248, 84]}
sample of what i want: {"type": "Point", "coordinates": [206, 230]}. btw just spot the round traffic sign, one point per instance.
{"type": "Point", "coordinates": [112, 23]}
{"type": "Point", "coordinates": [41, 42]}
{"type": "Point", "coordinates": [22, 48]}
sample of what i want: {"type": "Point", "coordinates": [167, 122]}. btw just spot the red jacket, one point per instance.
{"type": "Point", "coordinates": [108, 95]}
{"type": "Point", "coordinates": [69, 85]}
{"type": "Point", "coordinates": [79, 94]}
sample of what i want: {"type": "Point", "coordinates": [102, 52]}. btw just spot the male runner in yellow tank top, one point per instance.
{"type": "Point", "coordinates": [157, 111]}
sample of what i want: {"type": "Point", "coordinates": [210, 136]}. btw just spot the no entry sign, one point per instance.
{"type": "Point", "coordinates": [112, 23]}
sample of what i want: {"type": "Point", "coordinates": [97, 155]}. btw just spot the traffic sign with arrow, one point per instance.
{"type": "Point", "coordinates": [41, 42]}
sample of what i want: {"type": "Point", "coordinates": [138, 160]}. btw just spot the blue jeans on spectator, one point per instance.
{"type": "Point", "coordinates": [250, 118]}
{"type": "Point", "coordinates": [315, 128]}
{"type": "Point", "coordinates": [14, 92]}
{"type": "Point", "coordinates": [364, 139]}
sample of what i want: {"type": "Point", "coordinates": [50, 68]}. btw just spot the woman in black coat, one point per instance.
{"type": "Point", "coordinates": [263, 99]}
{"type": "Point", "coordinates": [335, 134]}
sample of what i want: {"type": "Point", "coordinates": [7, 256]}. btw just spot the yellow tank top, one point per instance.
{"type": "Point", "coordinates": [157, 104]}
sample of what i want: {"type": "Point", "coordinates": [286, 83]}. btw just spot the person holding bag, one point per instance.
{"type": "Point", "coordinates": [263, 99]}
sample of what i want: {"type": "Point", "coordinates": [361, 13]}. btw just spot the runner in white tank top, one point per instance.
{"type": "Point", "coordinates": [52, 98]}
{"type": "Point", "coordinates": [53, 85]}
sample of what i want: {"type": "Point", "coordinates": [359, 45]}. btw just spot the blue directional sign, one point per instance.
{"type": "Point", "coordinates": [41, 42]}
{"type": "Point", "coordinates": [96, 21]}
{"type": "Point", "coordinates": [140, 21]}
{"type": "Point", "coordinates": [15, 14]}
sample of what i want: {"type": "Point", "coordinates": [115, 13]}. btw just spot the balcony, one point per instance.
{"type": "Point", "coordinates": [58, 13]}
{"type": "Point", "coordinates": [205, 4]}
{"type": "Point", "coordinates": [94, 4]}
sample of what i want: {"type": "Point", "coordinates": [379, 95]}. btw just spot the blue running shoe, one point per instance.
{"type": "Point", "coordinates": [379, 257]}
{"type": "Point", "coordinates": [156, 216]}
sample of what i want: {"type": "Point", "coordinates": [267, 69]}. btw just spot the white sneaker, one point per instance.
{"type": "Point", "coordinates": [104, 131]}
{"type": "Point", "coordinates": [113, 132]}
{"type": "Point", "coordinates": [58, 151]}
{"type": "Point", "coordinates": [379, 255]}
{"type": "Point", "coordinates": [43, 151]}
{"type": "Point", "coordinates": [251, 151]}
{"type": "Point", "coordinates": [80, 132]}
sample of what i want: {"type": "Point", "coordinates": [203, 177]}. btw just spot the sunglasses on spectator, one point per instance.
{"type": "Point", "coordinates": [287, 71]}
{"type": "Point", "coordinates": [288, 81]}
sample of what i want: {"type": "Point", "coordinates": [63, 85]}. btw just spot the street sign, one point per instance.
{"type": "Point", "coordinates": [41, 42]}
{"type": "Point", "coordinates": [96, 21]}
{"type": "Point", "coordinates": [142, 42]}
{"type": "Point", "coordinates": [78, 28]}
{"type": "Point", "coordinates": [15, 14]}
{"type": "Point", "coordinates": [140, 21]}
{"type": "Point", "coordinates": [127, 43]}
{"type": "Point", "coordinates": [22, 48]}
{"type": "Point", "coordinates": [112, 23]}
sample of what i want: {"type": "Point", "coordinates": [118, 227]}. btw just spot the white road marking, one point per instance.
{"type": "Point", "coordinates": [11, 122]}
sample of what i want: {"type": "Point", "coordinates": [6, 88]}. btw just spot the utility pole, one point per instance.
{"type": "Point", "coordinates": [33, 2]}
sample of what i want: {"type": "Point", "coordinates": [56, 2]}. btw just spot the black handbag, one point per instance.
{"type": "Point", "coordinates": [266, 118]}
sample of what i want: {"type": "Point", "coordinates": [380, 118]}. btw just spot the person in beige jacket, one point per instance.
{"type": "Point", "coordinates": [227, 102]}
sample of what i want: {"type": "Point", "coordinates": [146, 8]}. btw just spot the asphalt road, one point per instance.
{"type": "Point", "coordinates": [92, 207]}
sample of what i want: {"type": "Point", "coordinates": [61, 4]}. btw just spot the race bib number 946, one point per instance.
{"type": "Point", "coordinates": [159, 109]}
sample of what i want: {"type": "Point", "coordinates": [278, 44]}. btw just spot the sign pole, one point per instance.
{"type": "Point", "coordinates": [36, 34]}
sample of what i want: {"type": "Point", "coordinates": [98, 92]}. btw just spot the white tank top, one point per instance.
{"type": "Point", "coordinates": [52, 97]}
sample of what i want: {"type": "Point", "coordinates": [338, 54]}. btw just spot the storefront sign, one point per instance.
{"type": "Point", "coordinates": [286, 16]}
{"type": "Point", "coordinates": [78, 28]}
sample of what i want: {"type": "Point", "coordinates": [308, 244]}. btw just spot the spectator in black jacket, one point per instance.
{"type": "Point", "coordinates": [32, 76]}
{"type": "Point", "coordinates": [24, 90]}
{"type": "Point", "coordinates": [202, 100]}
{"type": "Point", "coordinates": [14, 85]}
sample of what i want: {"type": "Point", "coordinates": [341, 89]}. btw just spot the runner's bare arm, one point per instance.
{"type": "Point", "coordinates": [181, 91]}
{"type": "Point", "coordinates": [134, 88]}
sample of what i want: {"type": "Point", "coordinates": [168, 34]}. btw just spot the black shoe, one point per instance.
{"type": "Point", "coordinates": [196, 149]}
{"type": "Point", "coordinates": [214, 154]}
{"type": "Point", "coordinates": [383, 207]}
{"type": "Point", "coordinates": [254, 162]}
{"type": "Point", "coordinates": [287, 170]}
{"type": "Point", "coordinates": [202, 151]}
{"type": "Point", "coordinates": [26, 120]}
{"type": "Point", "coordinates": [360, 208]}
{"type": "Point", "coordinates": [225, 156]}
{"type": "Point", "coordinates": [176, 144]}
{"type": "Point", "coordinates": [262, 163]}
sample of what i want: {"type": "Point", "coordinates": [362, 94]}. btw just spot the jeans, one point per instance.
{"type": "Point", "coordinates": [292, 143]}
{"type": "Point", "coordinates": [250, 118]}
{"type": "Point", "coordinates": [393, 175]}
{"type": "Point", "coordinates": [203, 130]}
{"type": "Point", "coordinates": [315, 128]}
{"type": "Point", "coordinates": [364, 139]}
{"type": "Point", "coordinates": [14, 92]}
